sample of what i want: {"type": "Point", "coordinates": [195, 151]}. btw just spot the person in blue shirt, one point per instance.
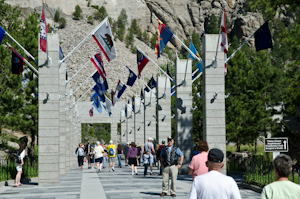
{"type": "Point", "coordinates": [169, 160]}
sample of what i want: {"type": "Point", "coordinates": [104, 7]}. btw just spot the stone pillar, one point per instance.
{"type": "Point", "coordinates": [150, 116]}
{"type": "Point", "coordinates": [139, 121]}
{"type": "Point", "coordinates": [62, 120]}
{"type": "Point", "coordinates": [214, 129]}
{"type": "Point", "coordinates": [68, 136]}
{"type": "Point", "coordinates": [163, 106]}
{"type": "Point", "coordinates": [123, 127]}
{"type": "Point", "coordinates": [49, 138]}
{"type": "Point", "coordinates": [184, 116]}
{"type": "Point", "coordinates": [130, 119]}
{"type": "Point", "coordinates": [74, 138]}
{"type": "Point", "coordinates": [114, 131]}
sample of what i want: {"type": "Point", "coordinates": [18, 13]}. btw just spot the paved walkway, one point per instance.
{"type": "Point", "coordinates": [88, 184]}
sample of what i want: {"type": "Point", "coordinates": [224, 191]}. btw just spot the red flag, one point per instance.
{"type": "Point", "coordinates": [224, 43]}
{"type": "Point", "coordinates": [98, 63]}
{"type": "Point", "coordinates": [43, 33]}
{"type": "Point", "coordinates": [91, 112]}
{"type": "Point", "coordinates": [141, 62]}
{"type": "Point", "coordinates": [17, 62]}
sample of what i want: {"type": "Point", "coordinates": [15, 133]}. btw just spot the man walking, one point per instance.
{"type": "Point", "coordinates": [87, 153]}
{"type": "Point", "coordinates": [111, 153]}
{"type": "Point", "coordinates": [214, 184]}
{"type": "Point", "coordinates": [148, 146]}
{"type": "Point", "coordinates": [282, 187]}
{"type": "Point", "coordinates": [169, 160]}
{"type": "Point", "coordinates": [125, 151]}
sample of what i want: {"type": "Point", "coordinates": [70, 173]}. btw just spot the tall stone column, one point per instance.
{"type": "Point", "coordinates": [49, 138]}
{"type": "Point", "coordinates": [62, 120]}
{"type": "Point", "coordinates": [114, 131]}
{"type": "Point", "coordinates": [130, 130]}
{"type": "Point", "coordinates": [214, 129]}
{"type": "Point", "coordinates": [74, 137]}
{"type": "Point", "coordinates": [68, 136]}
{"type": "Point", "coordinates": [184, 116]}
{"type": "Point", "coordinates": [150, 115]}
{"type": "Point", "coordinates": [139, 121]}
{"type": "Point", "coordinates": [123, 127]}
{"type": "Point", "coordinates": [163, 106]}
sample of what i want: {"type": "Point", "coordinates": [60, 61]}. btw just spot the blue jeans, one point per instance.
{"type": "Point", "coordinates": [104, 158]}
{"type": "Point", "coordinates": [119, 159]}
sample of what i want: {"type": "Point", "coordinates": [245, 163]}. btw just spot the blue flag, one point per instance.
{"type": "Point", "coordinates": [17, 62]}
{"type": "Point", "coordinates": [99, 108]}
{"type": "Point", "coordinates": [99, 93]}
{"type": "Point", "coordinates": [96, 100]}
{"type": "Point", "coordinates": [132, 77]}
{"type": "Point", "coordinates": [2, 33]}
{"type": "Point", "coordinates": [133, 103]}
{"type": "Point", "coordinates": [61, 54]}
{"type": "Point", "coordinates": [263, 39]}
{"type": "Point", "coordinates": [193, 49]}
{"type": "Point", "coordinates": [101, 83]}
{"type": "Point", "coordinates": [151, 84]}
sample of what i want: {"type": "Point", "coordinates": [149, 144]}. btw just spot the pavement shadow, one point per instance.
{"type": "Point", "coordinates": [151, 193]}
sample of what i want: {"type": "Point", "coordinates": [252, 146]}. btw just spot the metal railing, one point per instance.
{"type": "Point", "coordinates": [8, 168]}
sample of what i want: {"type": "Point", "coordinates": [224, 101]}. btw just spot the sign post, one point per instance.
{"type": "Point", "coordinates": [276, 145]}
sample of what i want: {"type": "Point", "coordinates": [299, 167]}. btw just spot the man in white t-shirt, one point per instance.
{"type": "Point", "coordinates": [214, 184]}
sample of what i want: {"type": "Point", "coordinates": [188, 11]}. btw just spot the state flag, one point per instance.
{"type": "Point", "coordinates": [114, 98]}
{"type": "Point", "coordinates": [99, 93]}
{"type": "Point", "coordinates": [98, 63]}
{"type": "Point", "coordinates": [17, 62]}
{"type": "Point", "coordinates": [120, 89]}
{"type": "Point", "coordinates": [263, 39]}
{"type": "Point", "coordinates": [96, 99]}
{"type": "Point", "coordinates": [2, 34]}
{"type": "Point", "coordinates": [163, 37]}
{"type": "Point", "coordinates": [43, 33]}
{"type": "Point", "coordinates": [108, 106]}
{"type": "Point", "coordinates": [105, 40]}
{"type": "Point", "coordinates": [151, 84]}
{"type": "Point", "coordinates": [193, 49]}
{"type": "Point", "coordinates": [133, 103]}
{"type": "Point", "coordinates": [141, 62]}
{"type": "Point", "coordinates": [91, 112]}
{"type": "Point", "coordinates": [61, 54]}
{"type": "Point", "coordinates": [131, 78]}
{"type": "Point", "coordinates": [101, 83]}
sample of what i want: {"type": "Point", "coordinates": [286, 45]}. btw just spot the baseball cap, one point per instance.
{"type": "Point", "coordinates": [170, 138]}
{"type": "Point", "coordinates": [163, 142]}
{"type": "Point", "coordinates": [215, 155]}
{"type": "Point", "coordinates": [111, 142]}
{"type": "Point", "coordinates": [97, 143]}
{"type": "Point", "coordinates": [128, 143]}
{"type": "Point", "coordinates": [150, 138]}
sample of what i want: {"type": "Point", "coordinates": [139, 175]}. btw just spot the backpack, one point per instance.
{"type": "Point", "coordinates": [111, 152]}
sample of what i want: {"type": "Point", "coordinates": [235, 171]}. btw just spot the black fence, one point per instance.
{"type": "Point", "coordinates": [256, 170]}
{"type": "Point", "coordinates": [8, 169]}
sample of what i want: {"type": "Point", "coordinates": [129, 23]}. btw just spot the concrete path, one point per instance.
{"type": "Point", "coordinates": [88, 184]}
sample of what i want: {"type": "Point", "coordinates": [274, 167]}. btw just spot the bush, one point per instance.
{"type": "Point", "coordinates": [100, 14]}
{"type": "Point", "coordinates": [77, 14]}
{"type": "Point", "coordinates": [90, 20]}
{"type": "Point", "coordinates": [153, 40]}
{"type": "Point", "coordinates": [62, 22]}
{"type": "Point", "coordinates": [56, 16]}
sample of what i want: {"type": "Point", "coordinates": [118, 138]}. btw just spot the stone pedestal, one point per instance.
{"type": "Point", "coordinates": [150, 116]}
{"type": "Point", "coordinates": [184, 116]}
{"type": "Point", "coordinates": [62, 120]}
{"type": "Point", "coordinates": [163, 106]}
{"type": "Point", "coordinates": [49, 138]}
{"type": "Point", "coordinates": [214, 129]}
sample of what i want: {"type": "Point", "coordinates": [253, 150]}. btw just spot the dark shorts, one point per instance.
{"type": "Point", "coordinates": [92, 160]}
{"type": "Point", "coordinates": [99, 160]}
{"type": "Point", "coordinates": [132, 161]}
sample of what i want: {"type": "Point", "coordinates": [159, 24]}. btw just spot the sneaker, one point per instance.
{"type": "Point", "coordinates": [92, 167]}
{"type": "Point", "coordinates": [113, 169]}
{"type": "Point", "coordinates": [98, 171]}
{"type": "Point", "coordinates": [163, 194]}
{"type": "Point", "coordinates": [173, 195]}
{"type": "Point", "coordinates": [151, 174]}
{"type": "Point", "coordinates": [109, 170]}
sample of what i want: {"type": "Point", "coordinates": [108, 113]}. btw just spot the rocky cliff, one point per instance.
{"type": "Point", "coordinates": [182, 17]}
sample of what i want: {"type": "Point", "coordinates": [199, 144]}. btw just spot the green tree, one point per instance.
{"type": "Point", "coordinates": [129, 37]}
{"type": "Point", "coordinates": [77, 14]}
{"type": "Point", "coordinates": [145, 37]}
{"type": "Point", "coordinates": [62, 22]}
{"type": "Point", "coordinates": [153, 40]}
{"type": "Point", "coordinates": [121, 24]}
{"type": "Point", "coordinates": [56, 16]}
{"type": "Point", "coordinates": [213, 25]}
{"type": "Point", "coordinates": [100, 14]}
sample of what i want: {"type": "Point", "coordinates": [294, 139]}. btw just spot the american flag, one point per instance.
{"type": "Point", "coordinates": [91, 112]}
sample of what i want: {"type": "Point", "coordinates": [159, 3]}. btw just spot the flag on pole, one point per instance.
{"type": "Point", "coordinates": [105, 40]}
{"type": "Point", "coordinates": [151, 84]}
{"type": "Point", "coordinates": [131, 78]}
{"type": "Point", "coordinates": [17, 62]}
{"type": "Point", "coordinates": [99, 108]}
{"type": "Point", "coordinates": [91, 112]}
{"type": "Point", "coordinates": [2, 34]}
{"type": "Point", "coordinates": [96, 100]}
{"type": "Point", "coordinates": [61, 54]}
{"type": "Point", "coordinates": [193, 49]}
{"type": "Point", "coordinates": [169, 73]}
{"type": "Point", "coordinates": [224, 43]}
{"type": "Point", "coordinates": [101, 83]}
{"type": "Point", "coordinates": [43, 32]}
{"type": "Point", "coordinates": [142, 94]}
{"type": "Point", "coordinates": [141, 62]}
{"type": "Point", "coordinates": [98, 63]}
{"type": "Point", "coordinates": [120, 89]}
{"type": "Point", "coordinates": [108, 106]}
{"type": "Point", "coordinates": [114, 98]}
{"type": "Point", "coordinates": [163, 37]}
{"type": "Point", "coordinates": [263, 39]}
{"type": "Point", "coordinates": [99, 93]}
{"type": "Point", "coordinates": [133, 103]}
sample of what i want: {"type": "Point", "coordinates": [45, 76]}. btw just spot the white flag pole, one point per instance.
{"type": "Point", "coordinates": [101, 23]}
{"type": "Point", "coordinates": [153, 62]}
{"type": "Point", "coordinates": [28, 64]}
{"type": "Point", "coordinates": [83, 82]}
{"type": "Point", "coordinates": [199, 75]}
{"type": "Point", "coordinates": [195, 71]}
{"type": "Point", "coordinates": [77, 72]}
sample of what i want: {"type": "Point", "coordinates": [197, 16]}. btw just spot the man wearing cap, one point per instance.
{"type": "Point", "coordinates": [169, 160]}
{"type": "Point", "coordinates": [148, 146]}
{"type": "Point", "coordinates": [214, 184]}
{"type": "Point", "coordinates": [111, 153]}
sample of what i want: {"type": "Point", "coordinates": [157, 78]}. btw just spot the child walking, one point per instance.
{"type": "Point", "coordinates": [146, 158]}
{"type": "Point", "coordinates": [92, 160]}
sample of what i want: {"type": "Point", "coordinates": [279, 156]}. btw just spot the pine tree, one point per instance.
{"type": "Point", "coordinates": [56, 16]}
{"type": "Point", "coordinates": [77, 14]}
{"type": "Point", "coordinates": [121, 24]}
{"type": "Point", "coordinates": [212, 26]}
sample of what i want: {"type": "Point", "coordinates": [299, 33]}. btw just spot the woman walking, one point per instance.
{"type": "Point", "coordinates": [80, 156]}
{"type": "Point", "coordinates": [98, 152]}
{"type": "Point", "coordinates": [131, 156]}
{"type": "Point", "coordinates": [19, 163]}
{"type": "Point", "coordinates": [119, 154]}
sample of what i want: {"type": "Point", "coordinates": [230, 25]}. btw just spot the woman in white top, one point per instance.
{"type": "Point", "coordinates": [98, 151]}
{"type": "Point", "coordinates": [21, 156]}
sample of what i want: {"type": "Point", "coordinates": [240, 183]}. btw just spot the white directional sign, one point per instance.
{"type": "Point", "coordinates": [276, 145]}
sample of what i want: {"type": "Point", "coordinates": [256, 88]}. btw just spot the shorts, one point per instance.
{"type": "Point", "coordinates": [111, 159]}
{"type": "Point", "coordinates": [92, 160]}
{"type": "Point", "coordinates": [132, 161]}
{"type": "Point", "coordinates": [18, 167]}
{"type": "Point", "coordinates": [151, 160]}
{"type": "Point", "coordinates": [99, 160]}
